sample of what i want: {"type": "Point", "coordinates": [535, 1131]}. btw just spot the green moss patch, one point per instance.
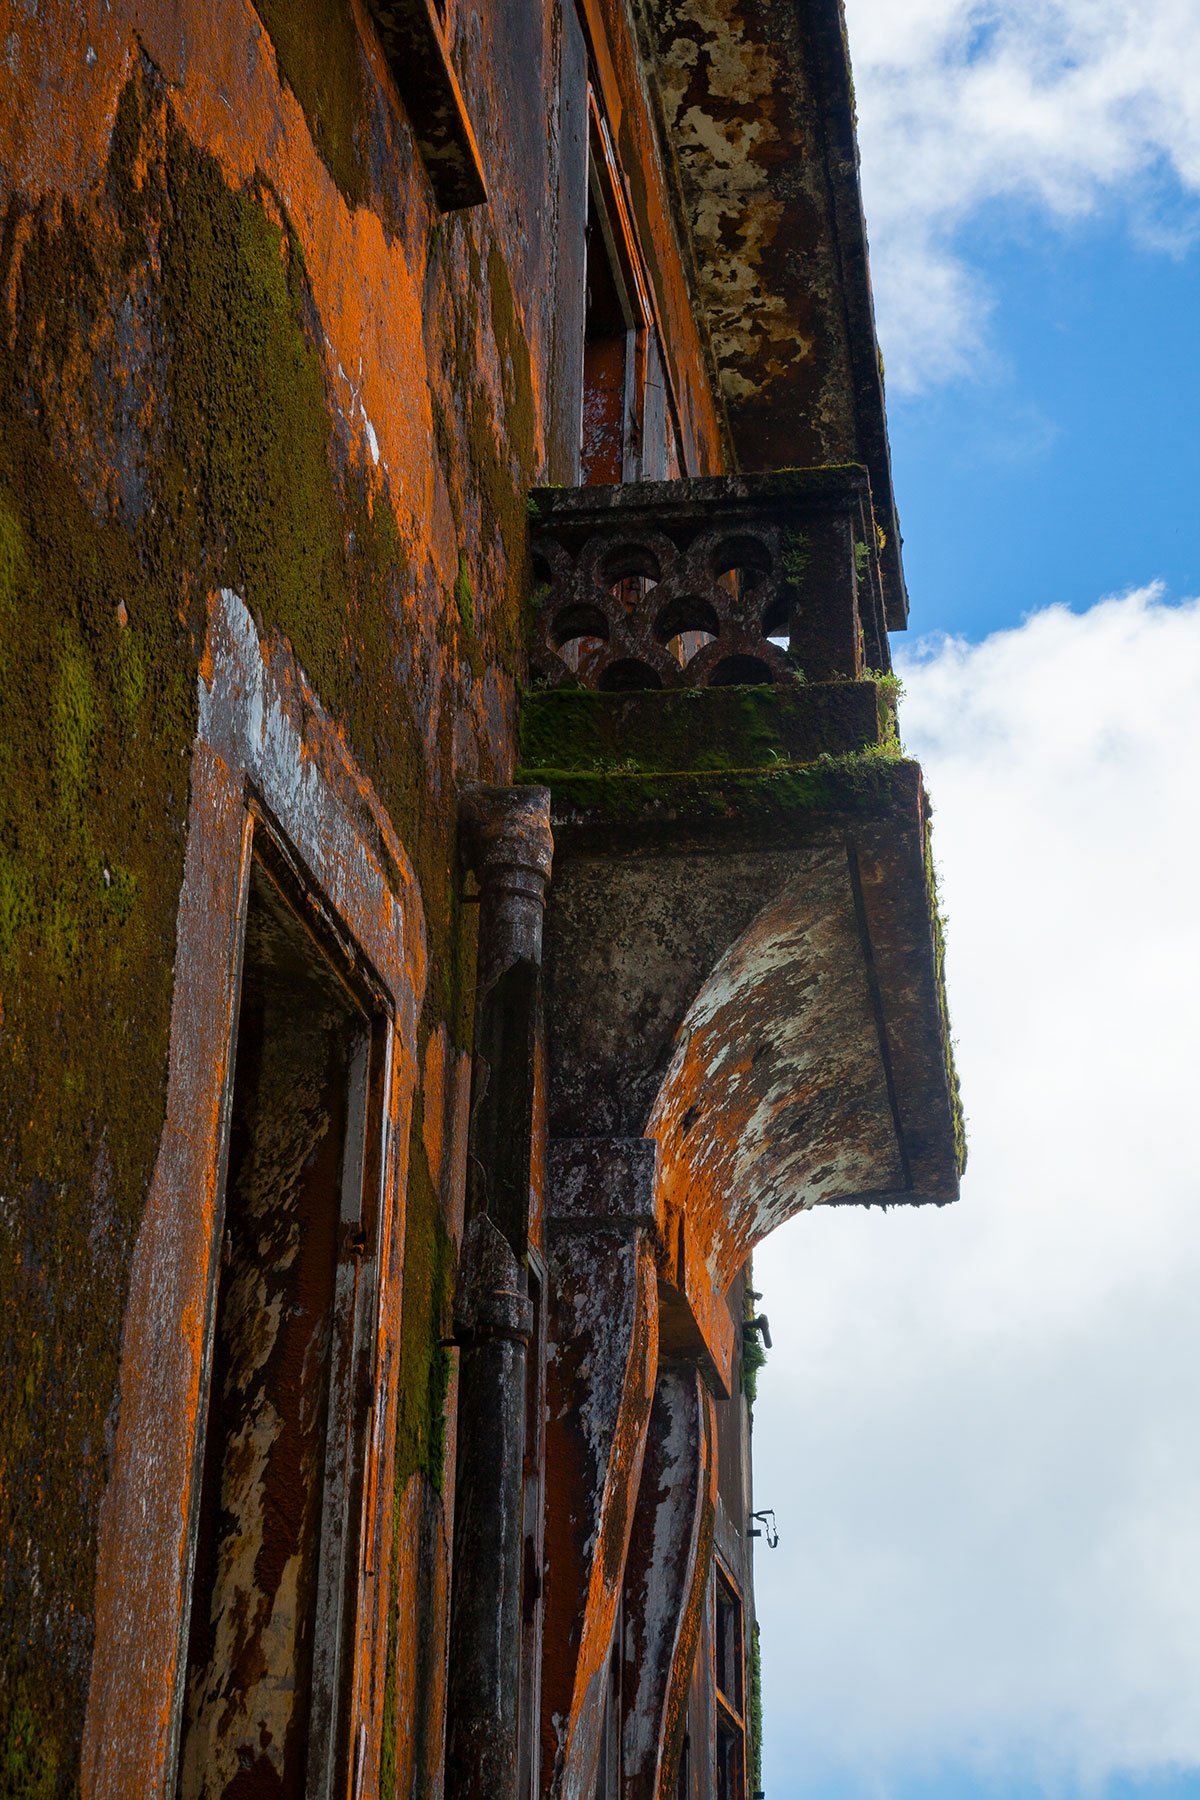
{"type": "Point", "coordinates": [95, 738]}
{"type": "Point", "coordinates": [31, 1761]}
{"type": "Point", "coordinates": [248, 478]}
{"type": "Point", "coordinates": [875, 781]}
{"type": "Point", "coordinates": [320, 57]}
{"type": "Point", "coordinates": [702, 729]}
{"type": "Point", "coordinates": [240, 482]}
{"type": "Point", "coordinates": [939, 946]}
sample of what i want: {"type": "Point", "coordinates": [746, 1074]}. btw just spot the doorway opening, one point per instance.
{"type": "Point", "coordinates": [729, 1674]}
{"type": "Point", "coordinates": [275, 1573]}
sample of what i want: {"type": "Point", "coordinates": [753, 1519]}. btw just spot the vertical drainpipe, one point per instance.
{"type": "Point", "coordinates": [508, 844]}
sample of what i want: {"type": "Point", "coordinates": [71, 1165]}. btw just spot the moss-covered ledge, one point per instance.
{"type": "Point", "coordinates": [705, 729]}
{"type": "Point", "coordinates": [775, 762]}
{"type": "Point", "coordinates": [789, 802]}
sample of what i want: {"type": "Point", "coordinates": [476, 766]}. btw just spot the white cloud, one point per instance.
{"type": "Point", "coordinates": [1062, 105]}
{"type": "Point", "coordinates": [979, 1425]}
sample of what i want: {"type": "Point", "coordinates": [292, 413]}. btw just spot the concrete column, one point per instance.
{"type": "Point", "coordinates": [507, 843]}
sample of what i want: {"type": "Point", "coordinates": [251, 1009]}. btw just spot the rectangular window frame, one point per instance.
{"type": "Point", "coordinates": [646, 358]}
{"type": "Point", "coordinates": [353, 1312]}
{"type": "Point", "coordinates": [730, 1706]}
{"type": "Point", "coordinates": [264, 749]}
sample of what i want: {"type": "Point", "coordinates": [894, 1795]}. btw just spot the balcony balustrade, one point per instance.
{"type": "Point", "coordinates": [708, 582]}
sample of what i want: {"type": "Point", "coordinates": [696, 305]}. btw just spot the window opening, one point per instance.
{"type": "Point", "coordinates": [617, 320]}
{"type": "Point", "coordinates": [729, 1682]}
{"type": "Point", "coordinates": [731, 1782]}
{"type": "Point", "coordinates": [608, 360]}
{"type": "Point", "coordinates": [413, 37]}
{"type": "Point", "coordinates": [608, 1774]}
{"type": "Point", "coordinates": [270, 1651]}
{"type": "Point", "coordinates": [683, 1780]}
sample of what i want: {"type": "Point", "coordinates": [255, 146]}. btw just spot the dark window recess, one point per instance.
{"type": "Point", "coordinates": [683, 1781]}
{"type": "Point", "coordinates": [605, 363]}
{"type": "Point", "coordinates": [729, 1680]}
{"type": "Point", "coordinates": [608, 1773]}
{"type": "Point", "coordinates": [269, 1650]}
{"type": "Point", "coordinates": [727, 1646]}
{"type": "Point", "coordinates": [413, 38]}
{"type": "Point", "coordinates": [731, 1763]}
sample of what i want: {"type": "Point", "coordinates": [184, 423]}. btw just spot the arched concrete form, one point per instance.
{"type": "Point", "coordinates": [781, 1092]}
{"type": "Point", "coordinates": [669, 1554]}
{"type": "Point", "coordinates": [602, 1358]}
{"type": "Point", "coordinates": [754, 982]}
{"type": "Point", "coordinates": [268, 765]}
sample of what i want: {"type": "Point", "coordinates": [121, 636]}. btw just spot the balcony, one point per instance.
{"type": "Point", "coordinates": [721, 581]}
{"type": "Point", "coordinates": [743, 948]}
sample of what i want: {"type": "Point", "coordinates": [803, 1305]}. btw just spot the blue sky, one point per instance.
{"type": "Point", "coordinates": [1067, 467]}
{"type": "Point", "coordinates": [980, 1428]}
{"type": "Point", "coordinates": [953, 1783]}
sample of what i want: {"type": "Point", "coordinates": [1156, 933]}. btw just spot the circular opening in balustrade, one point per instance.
{"type": "Point", "coordinates": [685, 644]}
{"type": "Point", "coordinates": [579, 634]}
{"type": "Point", "coordinates": [578, 621]}
{"type": "Point", "coordinates": [689, 613]}
{"type": "Point", "coordinates": [630, 572]}
{"type": "Point", "coordinates": [775, 623]}
{"type": "Point", "coordinates": [740, 564]}
{"type": "Point", "coordinates": [685, 625]}
{"type": "Point", "coordinates": [741, 671]}
{"type": "Point", "coordinates": [628, 676]}
{"type": "Point", "coordinates": [629, 562]}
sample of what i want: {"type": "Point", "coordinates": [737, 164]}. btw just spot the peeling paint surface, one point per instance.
{"type": "Point", "coordinates": [601, 1366]}
{"type": "Point", "coordinates": [257, 707]}
{"type": "Point", "coordinates": [665, 1578]}
{"type": "Point", "coordinates": [254, 1606]}
{"type": "Point", "coordinates": [776, 1096]}
{"type": "Point", "coordinates": [757, 107]}
{"type": "Point", "coordinates": [727, 150]}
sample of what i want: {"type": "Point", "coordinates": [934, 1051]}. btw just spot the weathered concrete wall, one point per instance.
{"type": "Point", "coordinates": [239, 347]}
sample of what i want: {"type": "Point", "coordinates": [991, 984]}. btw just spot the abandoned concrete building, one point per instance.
{"type": "Point", "coordinates": [460, 883]}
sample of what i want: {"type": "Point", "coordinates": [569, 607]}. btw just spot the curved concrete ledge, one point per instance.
{"type": "Point", "coordinates": [746, 967]}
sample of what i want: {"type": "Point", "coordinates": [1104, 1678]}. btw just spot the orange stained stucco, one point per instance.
{"type": "Point", "coordinates": [367, 280]}
{"type": "Point", "coordinates": [336, 823]}
{"type": "Point", "coordinates": [228, 96]}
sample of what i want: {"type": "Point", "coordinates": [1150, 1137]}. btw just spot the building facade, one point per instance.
{"type": "Point", "coordinates": [460, 883]}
